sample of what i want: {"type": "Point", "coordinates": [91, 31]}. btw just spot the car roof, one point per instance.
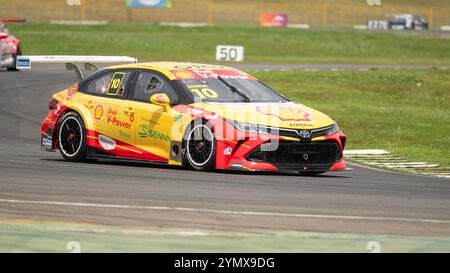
{"type": "Point", "coordinates": [169, 68]}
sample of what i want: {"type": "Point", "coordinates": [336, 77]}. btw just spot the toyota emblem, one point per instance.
{"type": "Point", "coordinates": [305, 134]}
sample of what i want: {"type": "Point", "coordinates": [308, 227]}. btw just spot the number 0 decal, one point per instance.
{"type": "Point", "coordinates": [116, 82]}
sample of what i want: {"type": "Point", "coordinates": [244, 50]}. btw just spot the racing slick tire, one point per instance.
{"type": "Point", "coordinates": [200, 147]}
{"type": "Point", "coordinates": [14, 68]}
{"type": "Point", "coordinates": [72, 142]}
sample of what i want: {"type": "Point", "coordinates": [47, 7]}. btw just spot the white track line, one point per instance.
{"type": "Point", "coordinates": [366, 152]}
{"type": "Point", "coordinates": [229, 212]}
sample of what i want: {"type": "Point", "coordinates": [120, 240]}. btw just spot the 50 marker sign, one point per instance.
{"type": "Point", "coordinates": [230, 53]}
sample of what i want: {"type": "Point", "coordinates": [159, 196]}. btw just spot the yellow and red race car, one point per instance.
{"type": "Point", "coordinates": [202, 116]}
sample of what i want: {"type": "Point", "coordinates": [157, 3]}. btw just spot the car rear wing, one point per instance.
{"type": "Point", "coordinates": [24, 62]}
{"type": "Point", "coordinates": [23, 21]}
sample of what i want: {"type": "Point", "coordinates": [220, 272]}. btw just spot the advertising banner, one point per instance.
{"type": "Point", "coordinates": [274, 20]}
{"type": "Point", "coordinates": [149, 3]}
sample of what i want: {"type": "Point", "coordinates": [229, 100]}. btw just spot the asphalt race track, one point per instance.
{"type": "Point", "coordinates": [40, 185]}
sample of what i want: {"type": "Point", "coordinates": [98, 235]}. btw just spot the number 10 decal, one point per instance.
{"type": "Point", "coordinates": [116, 82]}
{"type": "Point", "coordinates": [205, 93]}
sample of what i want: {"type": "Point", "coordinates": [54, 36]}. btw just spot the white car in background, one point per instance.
{"type": "Point", "coordinates": [407, 21]}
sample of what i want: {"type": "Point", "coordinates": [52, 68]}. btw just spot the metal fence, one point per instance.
{"type": "Point", "coordinates": [323, 13]}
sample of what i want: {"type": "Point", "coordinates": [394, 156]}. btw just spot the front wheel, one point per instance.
{"type": "Point", "coordinates": [72, 138]}
{"type": "Point", "coordinates": [14, 68]}
{"type": "Point", "coordinates": [200, 147]}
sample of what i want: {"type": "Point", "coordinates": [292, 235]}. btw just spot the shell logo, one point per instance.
{"type": "Point", "coordinates": [161, 99]}
{"type": "Point", "coordinates": [98, 112]}
{"type": "Point", "coordinates": [285, 113]}
{"type": "Point", "coordinates": [72, 92]}
{"type": "Point", "coordinates": [184, 74]}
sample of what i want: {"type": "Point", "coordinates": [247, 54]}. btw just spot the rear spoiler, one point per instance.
{"type": "Point", "coordinates": [24, 62]}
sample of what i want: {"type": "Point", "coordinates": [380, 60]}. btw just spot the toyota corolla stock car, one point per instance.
{"type": "Point", "coordinates": [200, 116]}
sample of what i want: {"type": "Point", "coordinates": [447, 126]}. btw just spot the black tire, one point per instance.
{"type": "Point", "coordinates": [14, 68]}
{"type": "Point", "coordinates": [199, 144]}
{"type": "Point", "coordinates": [72, 142]}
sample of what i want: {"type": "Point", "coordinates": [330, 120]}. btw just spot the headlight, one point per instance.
{"type": "Point", "coordinates": [332, 130]}
{"type": "Point", "coordinates": [251, 128]}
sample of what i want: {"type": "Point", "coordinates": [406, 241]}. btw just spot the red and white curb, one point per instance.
{"type": "Point", "coordinates": [384, 159]}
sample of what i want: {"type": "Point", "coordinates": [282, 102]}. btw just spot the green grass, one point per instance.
{"type": "Point", "coordinates": [154, 43]}
{"type": "Point", "coordinates": [406, 112]}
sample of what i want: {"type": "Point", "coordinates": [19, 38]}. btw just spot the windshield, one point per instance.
{"type": "Point", "coordinates": [214, 90]}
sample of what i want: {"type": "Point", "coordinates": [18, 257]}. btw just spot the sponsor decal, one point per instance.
{"type": "Point", "coordinates": [199, 66]}
{"type": "Point", "coordinates": [23, 62]}
{"type": "Point", "coordinates": [98, 112]}
{"type": "Point", "coordinates": [47, 142]}
{"type": "Point", "coordinates": [285, 113]}
{"type": "Point", "coordinates": [106, 142]}
{"type": "Point", "coordinates": [228, 151]}
{"type": "Point", "coordinates": [212, 116]}
{"type": "Point", "coordinates": [183, 74]}
{"type": "Point", "coordinates": [144, 132]}
{"type": "Point", "coordinates": [124, 134]}
{"type": "Point", "coordinates": [178, 118]}
{"type": "Point", "coordinates": [57, 110]}
{"type": "Point", "coordinates": [211, 74]}
{"type": "Point", "coordinates": [274, 20]}
{"type": "Point", "coordinates": [300, 125]}
{"type": "Point", "coordinates": [194, 111]}
{"type": "Point", "coordinates": [150, 121]}
{"type": "Point", "coordinates": [114, 120]}
{"type": "Point", "coordinates": [72, 92]}
{"type": "Point", "coordinates": [160, 99]}
{"type": "Point", "coordinates": [200, 112]}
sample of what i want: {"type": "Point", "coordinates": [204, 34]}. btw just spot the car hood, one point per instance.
{"type": "Point", "coordinates": [283, 115]}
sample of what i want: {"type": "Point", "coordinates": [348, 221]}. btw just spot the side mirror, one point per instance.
{"type": "Point", "coordinates": [3, 35]}
{"type": "Point", "coordinates": [161, 99]}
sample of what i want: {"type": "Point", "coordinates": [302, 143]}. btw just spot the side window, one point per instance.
{"type": "Point", "coordinates": [148, 84]}
{"type": "Point", "coordinates": [112, 84]}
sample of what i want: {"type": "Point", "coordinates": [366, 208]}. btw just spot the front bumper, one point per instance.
{"type": "Point", "coordinates": [321, 154]}
{"type": "Point", "coordinates": [7, 61]}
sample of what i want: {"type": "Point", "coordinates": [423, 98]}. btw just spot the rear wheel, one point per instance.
{"type": "Point", "coordinates": [72, 137]}
{"type": "Point", "coordinates": [200, 147]}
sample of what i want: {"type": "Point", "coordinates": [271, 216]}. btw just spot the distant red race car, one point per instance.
{"type": "Point", "coordinates": [10, 46]}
